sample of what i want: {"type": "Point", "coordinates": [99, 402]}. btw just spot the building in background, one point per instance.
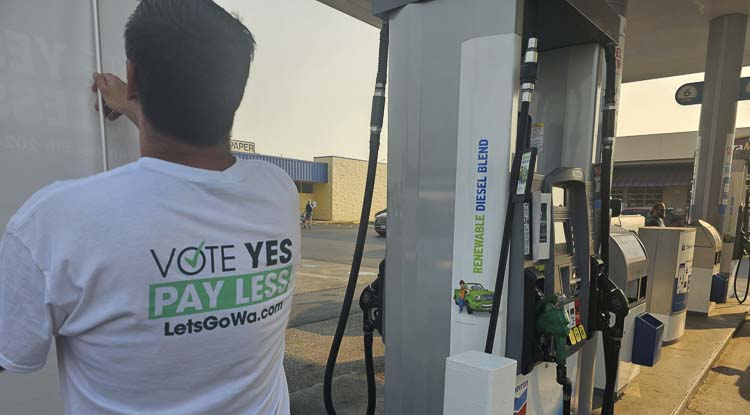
{"type": "Point", "coordinates": [659, 167]}
{"type": "Point", "coordinates": [340, 199]}
{"type": "Point", "coordinates": [648, 169]}
{"type": "Point", "coordinates": [336, 184]}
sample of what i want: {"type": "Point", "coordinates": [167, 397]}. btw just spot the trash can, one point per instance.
{"type": "Point", "coordinates": [719, 288]}
{"type": "Point", "coordinates": [647, 338]}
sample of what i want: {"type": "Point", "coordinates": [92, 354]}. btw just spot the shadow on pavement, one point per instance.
{"type": "Point", "coordinates": [743, 381]}
{"type": "Point", "coordinates": [302, 374]}
{"type": "Point", "coordinates": [702, 322]}
{"type": "Point", "coordinates": [349, 396]}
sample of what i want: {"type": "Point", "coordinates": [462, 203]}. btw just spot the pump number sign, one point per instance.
{"type": "Point", "coordinates": [692, 93]}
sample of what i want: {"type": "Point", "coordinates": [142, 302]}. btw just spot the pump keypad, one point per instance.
{"type": "Point", "coordinates": [576, 333]}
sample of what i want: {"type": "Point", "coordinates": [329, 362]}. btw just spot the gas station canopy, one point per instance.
{"type": "Point", "coordinates": [663, 38]}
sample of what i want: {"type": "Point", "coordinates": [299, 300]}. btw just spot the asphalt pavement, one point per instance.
{"type": "Point", "coordinates": [726, 389]}
{"type": "Point", "coordinates": [335, 243]}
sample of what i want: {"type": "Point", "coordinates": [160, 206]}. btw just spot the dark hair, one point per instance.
{"type": "Point", "coordinates": [192, 60]}
{"type": "Point", "coordinates": [657, 205]}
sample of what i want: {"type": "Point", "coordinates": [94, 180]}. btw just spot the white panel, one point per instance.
{"type": "Point", "coordinates": [49, 130]}
{"type": "Point", "coordinates": [479, 383]}
{"type": "Point", "coordinates": [539, 391]}
{"type": "Point", "coordinates": [699, 299]}
{"type": "Point", "coordinates": [486, 114]}
{"type": "Point", "coordinates": [122, 135]}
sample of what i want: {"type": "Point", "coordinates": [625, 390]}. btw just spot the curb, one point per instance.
{"type": "Point", "coordinates": [327, 223]}
{"type": "Point", "coordinates": [704, 372]}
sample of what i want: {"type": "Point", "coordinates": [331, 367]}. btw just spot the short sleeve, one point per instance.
{"type": "Point", "coordinates": [25, 328]}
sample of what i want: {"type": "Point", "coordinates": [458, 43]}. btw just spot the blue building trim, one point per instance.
{"type": "Point", "coordinates": [298, 170]}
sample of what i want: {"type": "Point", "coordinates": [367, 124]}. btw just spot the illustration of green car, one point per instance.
{"type": "Point", "coordinates": [477, 298]}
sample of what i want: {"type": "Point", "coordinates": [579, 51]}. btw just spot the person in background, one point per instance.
{"type": "Point", "coordinates": [656, 218]}
{"type": "Point", "coordinates": [308, 214]}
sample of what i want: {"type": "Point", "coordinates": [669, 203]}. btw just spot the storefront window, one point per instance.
{"type": "Point", "coordinates": [618, 193]}
{"type": "Point", "coordinates": [639, 196]}
{"type": "Point", "coordinates": [304, 187]}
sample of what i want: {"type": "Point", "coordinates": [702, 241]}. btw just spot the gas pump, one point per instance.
{"type": "Point", "coordinates": [572, 291]}
{"type": "Point", "coordinates": [539, 293]}
{"type": "Point", "coordinates": [742, 242]}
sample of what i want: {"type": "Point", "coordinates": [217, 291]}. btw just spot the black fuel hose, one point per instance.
{"type": "Point", "coordinates": [611, 360]}
{"type": "Point", "coordinates": [529, 70]}
{"type": "Point", "coordinates": [521, 134]}
{"type": "Point", "coordinates": [610, 340]}
{"type": "Point", "coordinates": [370, 371]}
{"type": "Point", "coordinates": [742, 225]}
{"type": "Point", "coordinates": [489, 344]}
{"type": "Point", "coordinates": [747, 286]}
{"type": "Point", "coordinates": [376, 125]}
{"type": "Point", "coordinates": [567, 385]}
{"type": "Point", "coordinates": [608, 148]}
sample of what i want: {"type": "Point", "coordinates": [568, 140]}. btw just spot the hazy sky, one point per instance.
{"type": "Point", "coordinates": [648, 107]}
{"type": "Point", "coordinates": [311, 83]}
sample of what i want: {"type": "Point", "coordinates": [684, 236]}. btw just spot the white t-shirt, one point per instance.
{"type": "Point", "coordinates": [167, 288]}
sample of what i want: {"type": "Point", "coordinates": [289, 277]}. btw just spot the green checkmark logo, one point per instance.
{"type": "Point", "coordinates": [193, 262]}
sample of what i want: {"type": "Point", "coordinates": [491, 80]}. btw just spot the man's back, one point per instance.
{"type": "Point", "coordinates": [168, 288]}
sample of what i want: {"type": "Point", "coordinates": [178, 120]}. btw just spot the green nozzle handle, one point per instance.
{"type": "Point", "coordinates": [552, 321]}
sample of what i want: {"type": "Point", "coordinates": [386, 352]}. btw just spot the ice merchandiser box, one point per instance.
{"type": "Point", "coordinates": [670, 254]}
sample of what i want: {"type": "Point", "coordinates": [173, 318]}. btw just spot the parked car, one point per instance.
{"type": "Point", "coordinates": [478, 298]}
{"type": "Point", "coordinates": [381, 222]}
{"type": "Point", "coordinates": [670, 218]}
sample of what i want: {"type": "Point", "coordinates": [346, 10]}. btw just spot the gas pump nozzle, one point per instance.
{"type": "Point", "coordinates": [611, 301]}
{"type": "Point", "coordinates": [552, 321]}
{"type": "Point", "coordinates": [742, 244]}
{"type": "Point", "coordinates": [371, 303]}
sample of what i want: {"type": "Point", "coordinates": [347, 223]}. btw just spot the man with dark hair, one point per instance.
{"type": "Point", "coordinates": [159, 299]}
{"type": "Point", "coordinates": [656, 216]}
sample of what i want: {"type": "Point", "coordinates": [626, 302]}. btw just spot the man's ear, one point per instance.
{"type": "Point", "coordinates": [132, 92]}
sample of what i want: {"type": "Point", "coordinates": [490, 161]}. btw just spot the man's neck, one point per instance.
{"type": "Point", "coordinates": [217, 157]}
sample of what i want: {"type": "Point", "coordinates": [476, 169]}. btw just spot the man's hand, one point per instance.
{"type": "Point", "coordinates": [115, 96]}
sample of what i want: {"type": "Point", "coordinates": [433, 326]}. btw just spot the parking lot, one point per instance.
{"type": "Point", "coordinates": [335, 243]}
